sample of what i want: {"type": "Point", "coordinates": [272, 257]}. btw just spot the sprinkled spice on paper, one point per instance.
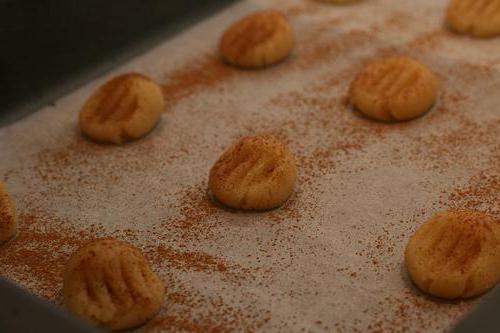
{"type": "Point", "coordinates": [331, 258]}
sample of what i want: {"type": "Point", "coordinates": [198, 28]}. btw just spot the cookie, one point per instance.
{"type": "Point", "coordinates": [479, 18]}
{"type": "Point", "coordinates": [258, 40]}
{"type": "Point", "coordinates": [394, 89]}
{"type": "Point", "coordinates": [8, 218]}
{"type": "Point", "coordinates": [455, 254]}
{"type": "Point", "coordinates": [258, 173]}
{"type": "Point", "coordinates": [110, 283]}
{"type": "Point", "coordinates": [125, 108]}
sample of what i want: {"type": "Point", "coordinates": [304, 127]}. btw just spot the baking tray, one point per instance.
{"type": "Point", "coordinates": [331, 258]}
{"type": "Point", "coordinates": [21, 312]}
{"type": "Point", "coordinates": [54, 47]}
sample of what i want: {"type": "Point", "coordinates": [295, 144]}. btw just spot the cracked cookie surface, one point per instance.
{"type": "Point", "coordinates": [257, 173]}
{"type": "Point", "coordinates": [110, 283]}
{"type": "Point", "coordinates": [455, 254]}
{"type": "Point", "coordinates": [125, 108]}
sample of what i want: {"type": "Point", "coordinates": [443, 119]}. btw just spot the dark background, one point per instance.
{"type": "Point", "coordinates": [49, 47]}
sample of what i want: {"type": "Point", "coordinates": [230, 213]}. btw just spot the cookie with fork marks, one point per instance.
{"type": "Point", "coordinates": [258, 40]}
{"type": "Point", "coordinates": [125, 108]}
{"type": "Point", "coordinates": [455, 254]}
{"type": "Point", "coordinates": [478, 18]}
{"type": "Point", "coordinates": [258, 173]}
{"type": "Point", "coordinates": [109, 282]}
{"type": "Point", "coordinates": [394, 89]}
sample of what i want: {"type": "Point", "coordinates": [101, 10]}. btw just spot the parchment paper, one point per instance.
{"type": "Point", "coordinates": [331, 259]}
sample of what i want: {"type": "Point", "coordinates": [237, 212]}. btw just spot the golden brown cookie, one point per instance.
{"type": "Point", "coordinates": [394, 88]}
{"type": "Point", "coordinates": [125, 108]}
{"type": "Point", "coordinates": [110, 283]}
{"type": "Point", "coordinates": [455, 254]}
{"type": "Point", "coordinates": [8, 219]}
{"type": "Point", "coordinates": [257, 40]}
{"type": "Point", "coordinates": [257, 173]}
{"type": "Point", "coordinates": [479, 18]}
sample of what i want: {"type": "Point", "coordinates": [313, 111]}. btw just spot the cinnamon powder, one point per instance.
{"type": "Point", "coordinates": [327, 135]}
{"type": "Point", "coordinates": [36, 257]}
{"type": "Point", "coordinates": [198, 74]}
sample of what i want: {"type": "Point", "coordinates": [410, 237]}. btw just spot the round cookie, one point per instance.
{"type": "Point", "coordinates": [258, 173]}
{"type": "Point", "coordinates": [258, 40]}
{"type": "Point", "coordinates": [394, 89]}
{"type": "Point", "coordinates": [110, 283]}
{"type": "Point", "coordinates": [455, 254]}
{"type": "Point", "coordinates": [479, 18]}
{"type": "Point", "coordinates": [8, 219]}
{"type": "Point", "coordinates": [125, 108]}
